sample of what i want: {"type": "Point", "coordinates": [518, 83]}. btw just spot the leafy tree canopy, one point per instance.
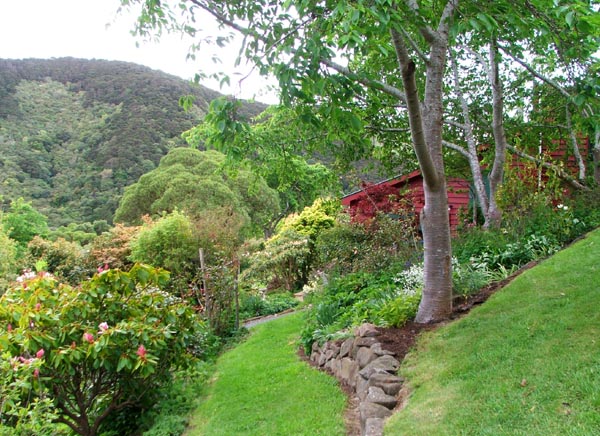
{"type": "Point", "coordinates": [193, 181]}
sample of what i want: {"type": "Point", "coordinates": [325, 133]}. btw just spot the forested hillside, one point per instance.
{"type": "Point", "coordinates": [74, 133]}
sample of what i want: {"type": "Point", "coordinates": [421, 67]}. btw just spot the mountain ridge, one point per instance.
{"type": "Point", "coordinates": [75, 132]}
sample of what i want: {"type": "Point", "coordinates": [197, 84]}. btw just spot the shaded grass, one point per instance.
{"type": "Point", "coordinates": [262, 388]}
{"type": "Point", "coordinates": [525, 363]}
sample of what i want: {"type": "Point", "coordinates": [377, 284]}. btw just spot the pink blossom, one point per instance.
{"type": "Point", "coordinates": [141, 352]}
{"type": "Point", "coordinates": [88, 337]}
{"type": "Point", "coordinates": [36, 372]}
{"type": "Point", "coordinates": [38, 306]}
{"type": "Point", "coordinates": [103, 326]}
{"type": "Point", "coordinates": [40, 353]}
{"type": "Point", "coordinates": [9, 328]}
{"type": "Point", "coordinates": [104, 268]}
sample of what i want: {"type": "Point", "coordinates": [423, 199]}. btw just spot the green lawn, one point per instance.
{"type": "Point", "coordinates": [527, 362]}
{"type": "Point", "coordinates": [262, 388]}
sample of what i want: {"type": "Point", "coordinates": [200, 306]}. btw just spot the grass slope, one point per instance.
{"type": "Point", "coordinates": [525, 363]}
{"type": "Point", "coordinates": [262, 388]}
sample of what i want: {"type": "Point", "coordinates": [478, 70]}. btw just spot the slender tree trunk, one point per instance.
{"type": "Point", "coordinates": [596, 156]}
{"type": "Point", "coordinates": [497, 173]}
{"type": "Point", "coordinates": [575, 145]}
{"type": "Point", "coordinates": [482, 197]}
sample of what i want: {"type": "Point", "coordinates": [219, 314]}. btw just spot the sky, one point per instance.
{"type": "Point", "coordinates": [92, 29]}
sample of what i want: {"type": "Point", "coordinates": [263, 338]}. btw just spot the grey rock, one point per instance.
{"type": "Point", "coordinates": [348, 371]}
{"type": "Point", "coordinates": [381, 365]}
{"type": "Point", "coordinates": [336, 367]}
{"type": "Point", "coordinates": [322, 359]}
{"type": "Point", "coordinates": [335, 349]}
{"type": "Point", "coordinates": [362, 387]}
{"type": "Point", "coordinates": [346, 347]}
{"type": "Point", "coordinates": [370, 410]}
{"type": "Point", "coordinates": [366, 330]}
{"type": "Point", "coordinates": [376, 348]}
{"type": "Point", "coordinates": [314, 356]}
{"type": "Point", "coordinates": [377, 396]}
{"type": "Point", "coordinates": [390, 384]}
{"type": "Point", "coordinates": [329, 354]}
{"type": "Point", "coordinates": [373, 427]}
{"type": "Point", "coordinates": [365, 356]}
{"type": "Point", "coordinates": [366, 342]}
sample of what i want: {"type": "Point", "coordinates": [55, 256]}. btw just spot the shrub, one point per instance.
{"type": "Point", "coordinates": [252, 305]}
{"type": "Point", "coordinates": [104, 346]}
{"type": "Point", "coordinates": [62, 258]}
{"type": "Point", "coordinates": [369, 246]}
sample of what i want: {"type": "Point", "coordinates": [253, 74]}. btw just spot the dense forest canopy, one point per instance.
{"type": "Point", "coordinates": [74, 132]}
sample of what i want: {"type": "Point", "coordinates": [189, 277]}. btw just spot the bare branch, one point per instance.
{"type": "Point", "coordinates": [415, 47]}
{"type": "Point", "coordinates": [558, 170]}
{"type": "Point", "coordinates": [458, 148]}
{"type": "Point", "coordinates": [535, 73]}
{"type": "Point", "coordinates": [390, 90]}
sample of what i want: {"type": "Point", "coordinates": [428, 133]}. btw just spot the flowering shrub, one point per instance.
{"type": "Point", "coordinates": [94, 349]}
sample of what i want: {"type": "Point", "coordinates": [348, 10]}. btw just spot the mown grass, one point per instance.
{"type": "Point", "coordinates": [525, 363]}
{"type": "Point", "coordinates": [262, 388]}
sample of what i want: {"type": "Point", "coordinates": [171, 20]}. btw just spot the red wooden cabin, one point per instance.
{"type": "Point", "coordinates": [408, 190]}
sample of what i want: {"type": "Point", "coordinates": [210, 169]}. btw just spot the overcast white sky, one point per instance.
{"type": "Point", "coordinates": [78, 28]}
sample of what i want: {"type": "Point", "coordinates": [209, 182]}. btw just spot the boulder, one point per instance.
{"type": "Point", "coordinates": [362, 387]}
{"type": "Point", "coordinates": [366, 330]}
{"type": "Point", "coordinates": [390, 384]}
{"type": "Point", "coordinates": [381, 365]}
{"type": "Point", "coordinates": [373, 427]}
{"type": "Point", "coordinates": [365, 356]}
{"type": "Point", "coordinates": [377, 396]}
{"type": "Point", "coordinates": [346, 347]}
{"type": "Point", "coordinates": [365, 342]}
{"type": "Point", "coordinates": [370, 410]}
{"type": "Point", "coordinates": [322, 358]}
{"type": "Point", "coordinates": [348, 371]}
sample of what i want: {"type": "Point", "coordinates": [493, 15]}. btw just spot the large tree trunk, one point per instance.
{"type": "Point", "coordinates": [436, 302]}
{"type": "Point", "coordinates": [426, 132]}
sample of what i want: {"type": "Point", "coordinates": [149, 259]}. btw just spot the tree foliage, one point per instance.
{"type": "Point", "coordinates": [194, 181]}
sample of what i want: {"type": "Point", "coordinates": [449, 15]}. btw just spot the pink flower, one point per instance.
{"type": "Point", "coordinates": [36, 372]}
{"type": "Point", "coordinates": [141, 351]}
{"type": "Point", "coordinates": [38, 306]}
{"type": "Point", "coordinates": [102, 269]}
{"type": "Point", "coordinates": [9, 328]}
{"type": "Point", "coordinates": [103, 326]}
{"type": "Point", "coordinates": [88, 337]}
{"type": "Point", "coordinates": [40, 353]}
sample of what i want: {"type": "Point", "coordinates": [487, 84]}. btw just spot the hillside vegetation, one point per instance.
{"type": "Point", "coordinates": [74, 133]}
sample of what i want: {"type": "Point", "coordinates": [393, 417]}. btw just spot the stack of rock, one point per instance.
{"type": "Point", "coordinates": [369, 370]}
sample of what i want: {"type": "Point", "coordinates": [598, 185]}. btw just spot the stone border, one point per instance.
{"type": "Point", "coordinates": [369, 370]}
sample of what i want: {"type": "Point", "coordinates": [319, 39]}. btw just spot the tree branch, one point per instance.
{"type": "Point", "coordinates": [458, 148]}
{"type": "Point", "coordinates": [536, 74]}
{"type": "Point", "coordinates": [407, 66]}
{"type": "Point", "coordinates": [558, 170]}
